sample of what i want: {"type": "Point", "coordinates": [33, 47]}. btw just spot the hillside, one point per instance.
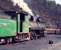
{"type": "Point", "coordinates": [7, 5]}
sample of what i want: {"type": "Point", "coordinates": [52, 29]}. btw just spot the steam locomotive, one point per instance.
{"type": "Point", "coordinates": [14, 28]}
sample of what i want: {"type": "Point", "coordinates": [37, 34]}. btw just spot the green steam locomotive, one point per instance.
{"type": "Point", "coordinates": [13, 27]}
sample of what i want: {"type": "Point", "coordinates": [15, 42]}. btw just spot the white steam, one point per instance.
{"type": "Point", "coordinates": [23, 5]}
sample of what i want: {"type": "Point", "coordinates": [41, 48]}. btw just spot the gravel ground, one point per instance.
{"type": "Point", "coordinates": [40, 44]}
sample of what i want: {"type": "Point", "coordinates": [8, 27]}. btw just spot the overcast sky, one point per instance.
{"type": "Point", "coordinates": [57, 1]}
